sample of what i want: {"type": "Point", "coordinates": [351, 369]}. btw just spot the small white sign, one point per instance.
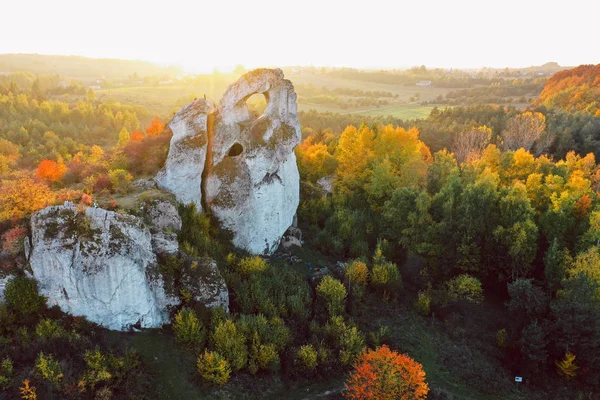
{"type": "Point", "coordinates": [518, 379]}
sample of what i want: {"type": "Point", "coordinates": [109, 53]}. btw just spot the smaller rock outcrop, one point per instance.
{"type": "Point", "coordinates": [103, 265]}
{"type": "Point", "coordinates": [3, 281]}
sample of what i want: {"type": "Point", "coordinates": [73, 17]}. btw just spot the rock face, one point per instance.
{"type": "Point", "coordinates": [240, 167]}
{"type": "Point", "coordinates": [102, 265]}
{"type": "Point", "coordinates": [182, 174]}
{"type": "Point", "coordinates": [3, 281]}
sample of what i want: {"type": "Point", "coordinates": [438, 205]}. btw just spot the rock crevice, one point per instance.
{"type": "Point", "coordinates": [244, 165]}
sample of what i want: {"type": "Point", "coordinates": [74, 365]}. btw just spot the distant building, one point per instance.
{"type": "Point", "coordinates": [424, 83]}
{"type": "Point", "coordinates": [95, 87]}
{"type": "Point", "coordinates": [64, 84]}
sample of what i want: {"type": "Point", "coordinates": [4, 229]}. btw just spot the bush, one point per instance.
{"type": "Point", "coordinates": [423, 304]}
{"type": "Point", "coordinates": [345, 339]}
{"type": "Point", "coordinates": [306, 358]}
{"type": "Point", "coordinates": [251, 265]}
{"type": "Point", "coordinates": [333, 293]}
{"type": "Point", "coordinates": [213, 368]}
{"type": "Point", "coordinates": [48, 329]}
{"type": "Point", "coordinates": [357, 274]}
{"type": "Point", "coordinates": [262, 356]}
{"type": "Point", "coordinates": [188, 329]}
{"type": "Point", "coordinates": [231, 344]}
{"type": "Point", "coordinates": [6, 373]}
{"type": "Point", "coordinates": [120, 180]}
{"type": "Point", "coordinates": [98, 367]}
{"type": "Point", "coordinates": [49, 368]}
{"type": "Point", "coordinates": [465, 287]}
{"type": "Point", "coordinates": [386, 277]}
{"type": "Point", "coordinates": [21, 294]}
{"type": "Point", "coordinates": [277, 292]}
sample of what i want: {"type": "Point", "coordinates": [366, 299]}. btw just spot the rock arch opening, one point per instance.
{"type": "Point", "coordinates": [257, 104]}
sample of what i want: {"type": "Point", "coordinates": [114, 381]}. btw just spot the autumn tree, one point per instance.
{"type": "Point", "coordinates": [155, 128]}
{"type": "Point", "coordinates": [471, 143]}
{"type": "Point", "coordinates": [51, 171]}
{"type": "Point", "coordinates": [383, 374]}
{"type": "Point", "coordinates": [523, 130]}
{"type": "Point", "coordinates": [19, 198]}
{"type": "Point", "coordinates": [567, 367]}
{"type": "Point", "coordinates": [137, 136]}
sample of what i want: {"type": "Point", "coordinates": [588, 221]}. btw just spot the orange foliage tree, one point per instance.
{"type": "Point", "coordinates": [51, 171]}
{"type": "Point", "coordinates": [137, 136]}
{"type": "Point", "coordinates": [19, 198]}
{"type": "Point", "coordinates": [156, 127]}
{"type": "Point", "coordinates": [384, 374]}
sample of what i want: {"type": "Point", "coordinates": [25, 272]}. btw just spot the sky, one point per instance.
{"type": "Point", "coordinates": [199, 36]}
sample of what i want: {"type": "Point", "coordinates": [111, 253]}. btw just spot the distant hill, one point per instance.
{"type": "Point", "coordinates": [576, 89]}
{"type": "Point", "coordinates": [81, 67]}
{"type": "Point", "coordinates": [548, 68]}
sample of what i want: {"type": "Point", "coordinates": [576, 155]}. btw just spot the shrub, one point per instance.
{"type": "Point", "coordinates": [251, 265]}
{"type": "Point", "coordinates": [6, 373]}
{"type": "Point", "coordinates": [262, 356]}
{"type": "Point", "coordinates": [231, 344]}
{"type": "Point", "coordinates": [277, 292]}
{"type": "Point", "coordinates": [386, 277]}
{"type": "Point", "coordinates": [423, 303]}
{"type": "Point", "coordinates": [48, 368]}
{"type": "Point", "coordinates": [22, 295]}
{"type": "Point", "coordinates": [306, 358]}
{"type": "Point", "coordinates": [188, 329]}
{"type": "Point", "coordinates": [28, 392]}
{"type": "Point", "coordinates": [357, 274]}
{"type": "Point", "coordinates": [48, 329]}
{"type": "Point", "coordinates": [346, 339]}
{"type": "Point", "coordinates": [465, 287]}
{"type": "Point", "coordinates": [120, 180]}
{"type": "Point", "coordinates": [12, 240]}
{"type": "Point", "coordinates": [97, 367]}
{"type": "Point", "coordinates": [213, 368]}
{"type": "Point", "coordinates": [333, 293]}
{"type": "Point", "coordinates": [501, 338]}
{"type": "Point", "coordinates": [384, 374]}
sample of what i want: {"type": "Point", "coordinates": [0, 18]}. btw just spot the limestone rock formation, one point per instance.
{"type": "Point", "coordinates": [102, 265]}
{"type": "Point", "coordinates": [237, 166]}
{"type": "Point", "coordinates": [182, 173]}
{"type": "Point", "coordinates": [3, 281]}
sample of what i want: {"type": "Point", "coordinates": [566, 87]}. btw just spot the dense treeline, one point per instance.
{"type": "Point", "coordinates": [526, 227]}
{"type": "Point", "coordinates": [42, 127]}
{"type": "Point", "coordinates": [567, 131]}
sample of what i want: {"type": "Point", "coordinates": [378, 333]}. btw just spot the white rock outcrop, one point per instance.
{"type": "Point", "coordinates": [102, 265]}
{"type": "Point", "coordinates": [240, 167]}
{"type": "Point", "coordinates": [3, 281]}
{"type": "Point", "coordinates": [182, 173]}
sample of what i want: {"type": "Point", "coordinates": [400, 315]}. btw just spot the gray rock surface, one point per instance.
{"type": "Point", "coordinates": [164, 216]}
{"type": "Point", "coordinates": [3, 281]}
{"type": "Point", "coordinates": [245, 166]}
{"type": "Point", "coordinates": [102, 265]}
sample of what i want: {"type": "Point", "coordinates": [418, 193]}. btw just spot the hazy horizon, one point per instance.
{"type": "Point", "coordinates": [201, 37]}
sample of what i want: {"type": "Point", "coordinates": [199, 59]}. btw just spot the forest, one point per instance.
{"type": "Point", "coordinates": [462, 249]}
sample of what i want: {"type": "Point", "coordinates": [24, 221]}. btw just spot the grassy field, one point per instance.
{"type": "Point", "coordinates": [164, 100]}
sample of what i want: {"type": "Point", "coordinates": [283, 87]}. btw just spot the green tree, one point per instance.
{"type": "Point", "coordinates": [188, 329]}
{"type": "Point", "coordinates": [21, 293]}
{"type": "Point", "coordinates": [333, 294]}
{"type": "Point", "coordinates": [213, 368]}
{"type": "Point", "coordinates": [231, 344]}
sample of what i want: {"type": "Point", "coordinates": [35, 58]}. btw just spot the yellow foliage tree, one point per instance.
{"type": "Point", "coordinates": [567, 367]}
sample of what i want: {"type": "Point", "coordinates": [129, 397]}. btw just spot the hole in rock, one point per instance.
{"type": "Point", "coordinates": [235, 150]}
{"type": "Point", "coordinates": [257, 104]}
